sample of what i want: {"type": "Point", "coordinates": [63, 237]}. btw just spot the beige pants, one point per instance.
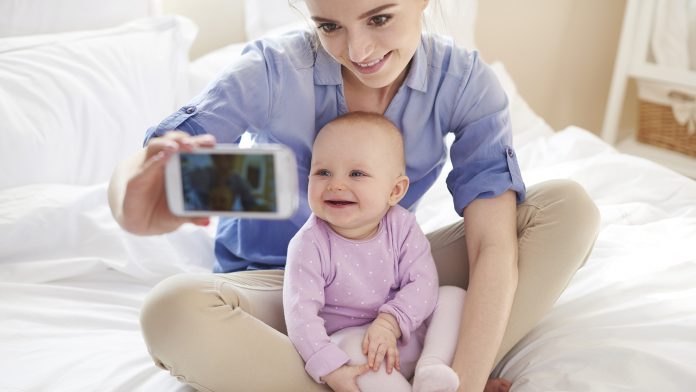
{"type": "Point", "coordinates": [225, 332]}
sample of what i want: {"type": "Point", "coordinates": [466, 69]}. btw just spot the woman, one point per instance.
{"type": "Point", "coordinates": [225, 331]}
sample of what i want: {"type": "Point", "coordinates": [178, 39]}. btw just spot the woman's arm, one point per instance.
{"type": "Point", "coordinates": [491, 239]}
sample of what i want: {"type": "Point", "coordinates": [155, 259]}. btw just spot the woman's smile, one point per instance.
{"type": "Point", "coordinates": [373, 66]}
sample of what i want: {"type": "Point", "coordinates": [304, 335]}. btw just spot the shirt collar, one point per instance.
{"type": "Point", "coordinates": [328, 71]}
{"type": "Point", "coordinates": [417, 77]}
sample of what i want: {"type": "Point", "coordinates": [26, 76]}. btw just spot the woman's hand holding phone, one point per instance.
{"type": "Point", "coordinates": [137, 193]}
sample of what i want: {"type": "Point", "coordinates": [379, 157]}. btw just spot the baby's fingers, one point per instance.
{"type": "Point", "coordinates": [365, 344]}
{"type": "Point", "coordinates": [392, 359]}
{"type": "Point", "coordinates": [371, 353]}
{"type": "Point", "coordinates": [361, 369]}
{"type": "Point", "coordinates": [376, 355]}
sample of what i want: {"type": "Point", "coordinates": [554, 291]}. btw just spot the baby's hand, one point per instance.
{"type": "Point", "coordinates": [343, 378]}
{"type": "Point", "coordinates": [380, 341]}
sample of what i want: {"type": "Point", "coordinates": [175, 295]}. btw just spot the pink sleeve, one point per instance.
{"type": "Point", "coordinates": [417, 296]}
{"type": "Point", "coordinates": [303, 298]}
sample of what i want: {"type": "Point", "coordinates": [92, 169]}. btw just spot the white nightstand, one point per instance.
{"type": "Point", "coordinates": [632, 62]}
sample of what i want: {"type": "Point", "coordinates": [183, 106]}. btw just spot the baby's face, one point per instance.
{"type": "Point", "coordinates": [353, 173]}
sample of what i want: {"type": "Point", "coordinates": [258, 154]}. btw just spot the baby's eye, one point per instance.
{"type": "Point", "coordinates": [328, 27]}
{"type": "Point", "coordinates": [380, 20]}
{"type": "Point", "coordinates": [323, 173]}
{"type": "Point", "coordinates": [357, 173]}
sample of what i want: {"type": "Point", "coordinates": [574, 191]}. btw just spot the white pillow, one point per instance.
{"type": "Point", "coordinates": [26, 17]}
{"type": "Point", "coordinates": [204, 69]}
{"type": "Point", "coordinates": [72, 105]}
{"type": "Point", "coordinates": [55, 231]}
{"type": "Point", "coordinates": [456, 18]}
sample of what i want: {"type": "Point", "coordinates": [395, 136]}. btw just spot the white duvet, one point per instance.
{"type": "Point", "coordinates": [72, 283]}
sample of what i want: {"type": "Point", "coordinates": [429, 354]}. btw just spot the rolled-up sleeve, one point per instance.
{"type": "Point", "coordinates": [240, 98]}
{"type": "Point", "coordinates": [483, 159]}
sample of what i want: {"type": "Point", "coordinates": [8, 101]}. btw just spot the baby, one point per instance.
{"type": "Point", "coordinates": [361, 289]}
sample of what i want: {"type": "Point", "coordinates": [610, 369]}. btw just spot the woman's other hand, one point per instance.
{"type": "Point", "coordinates": [344, 378]}
{"type": "Point", "coordinates": [137, 195]}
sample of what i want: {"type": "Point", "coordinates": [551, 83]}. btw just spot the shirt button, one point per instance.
{"type": "Point", "coordinates": [190, 109]}
{"type": "Point", "coordinates": [510, 152]}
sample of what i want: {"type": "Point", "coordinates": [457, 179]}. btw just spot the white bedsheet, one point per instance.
{"type": "Point", "coordinates": [71, 286]}
{"type": "Point", "coordinates": [71, 283]}
{"type": "Point", "coordinates": [627, 321]}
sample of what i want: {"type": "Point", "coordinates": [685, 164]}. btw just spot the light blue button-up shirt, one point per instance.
{"type": "Point", "coordinates": [283, 91]}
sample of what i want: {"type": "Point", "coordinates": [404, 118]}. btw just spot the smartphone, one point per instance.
{"type": "Point", "coordinates": [252, 182]}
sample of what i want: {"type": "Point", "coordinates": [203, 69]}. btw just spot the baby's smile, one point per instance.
{"type": "Point", "coordinates": [339, 203]}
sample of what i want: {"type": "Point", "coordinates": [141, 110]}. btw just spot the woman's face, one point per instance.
{"type": "Point", "coordinates": [373, 40]}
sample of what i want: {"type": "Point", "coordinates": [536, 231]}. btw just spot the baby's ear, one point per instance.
{"type": "Point", "coordinates": [399, 190]}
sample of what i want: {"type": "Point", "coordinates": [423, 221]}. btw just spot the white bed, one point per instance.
{"type": "Point", "coordinates": [72, 282]}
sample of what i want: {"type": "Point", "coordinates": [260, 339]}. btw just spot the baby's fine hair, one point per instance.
{"type": "Point", "coordinates": [384, 124]}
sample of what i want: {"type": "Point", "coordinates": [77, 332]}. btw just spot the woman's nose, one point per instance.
{"type": "Point", "coordinates": [360, 46]}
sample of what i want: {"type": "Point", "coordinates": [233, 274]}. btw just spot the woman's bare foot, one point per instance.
{"type": "Point", "coordinates": [497, 385]}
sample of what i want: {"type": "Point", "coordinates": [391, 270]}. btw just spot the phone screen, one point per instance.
{"type": "Point", "coordinates": [228, 182]}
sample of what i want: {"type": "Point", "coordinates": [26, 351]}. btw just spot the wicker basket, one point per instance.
{"type": "Point", "coordinates": [657, 126]}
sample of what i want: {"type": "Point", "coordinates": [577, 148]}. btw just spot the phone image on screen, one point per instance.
{"type": "Point", "coordinates": [256, 182]}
